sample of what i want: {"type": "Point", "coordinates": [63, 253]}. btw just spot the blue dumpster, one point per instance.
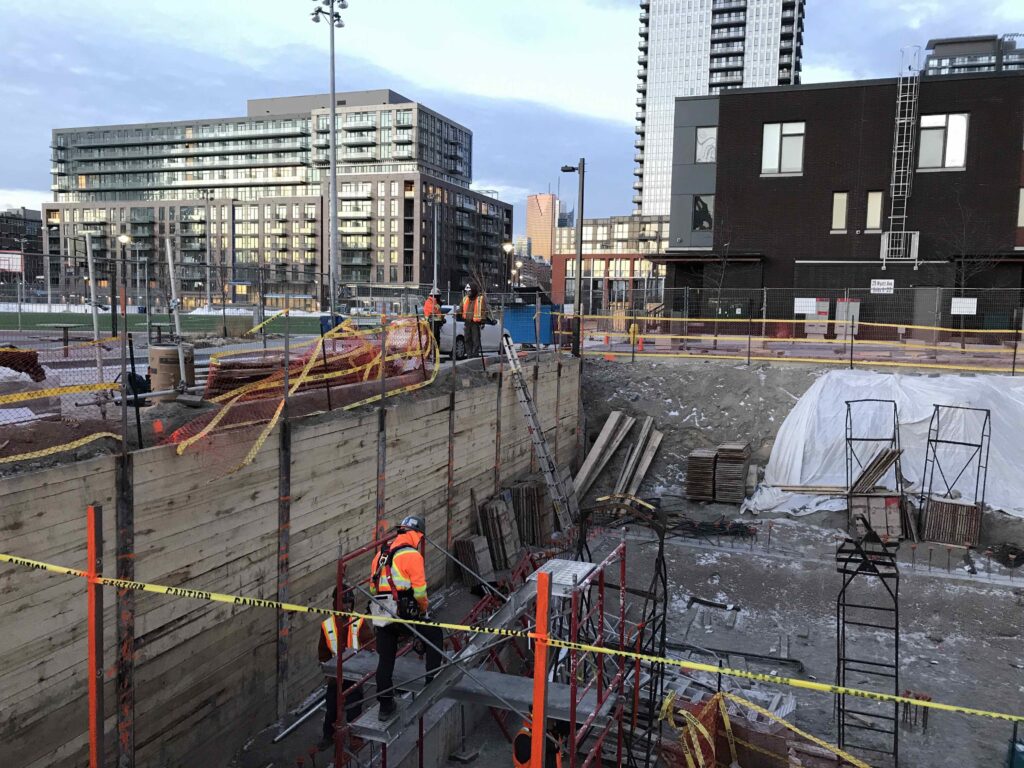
{"type": "Point", "coordinates": [520, 324]}
{"type": "Point", "coordinates": [325, 322]}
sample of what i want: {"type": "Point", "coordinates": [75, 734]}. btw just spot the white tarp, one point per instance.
{"type": "Point", "coordinates": [810, 449]}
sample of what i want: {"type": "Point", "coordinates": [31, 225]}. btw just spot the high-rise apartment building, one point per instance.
{"type": "Point", "coordinates": [700, 47]}
{"type": "Point", "coordinates": [252, 191]}
{"type": "Point", "coordinates": [967, 55]}
{"type": "Point", "coordinates": [542, 216]}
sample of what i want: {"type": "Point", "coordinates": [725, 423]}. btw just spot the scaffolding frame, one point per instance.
{"type": "Point", "coordinates": [938, 444]}
{"type": "Point", "coordinates": [859, 613]}
{"type": "Point", "coordinates": [886, 441]}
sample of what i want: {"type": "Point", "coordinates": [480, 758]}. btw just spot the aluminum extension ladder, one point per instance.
{"type": "Point", "coordinates": [565, 502]}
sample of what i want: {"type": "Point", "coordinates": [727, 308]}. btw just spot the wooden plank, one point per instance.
{"type": "Point", "coordinates": [586, 472]}
{"type": "Point", "coordinates": [645, 462]}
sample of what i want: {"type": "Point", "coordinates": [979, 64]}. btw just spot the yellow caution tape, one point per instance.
{"type": "Point", "coordinates": [273, 317]}
{"type": "Point", "coordinates": [59, 448]}
{"type": "Point", "coordinates": [21, 397]}
{"type": "Point", "coordinates": [259, 602]}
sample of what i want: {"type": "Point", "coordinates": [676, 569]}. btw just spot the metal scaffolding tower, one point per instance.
{"type": "Point", "coordinates": [897, 243]}
{"type": "Point", "coordinates": [868, 643]}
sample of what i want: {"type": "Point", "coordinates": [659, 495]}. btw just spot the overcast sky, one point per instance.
{"type": "Point", "coordinates": [539, 82]}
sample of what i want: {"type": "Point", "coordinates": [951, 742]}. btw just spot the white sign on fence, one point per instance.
{"type": "Point", "coordinates": [10, 261]}
{"type": "Point", "coordinates": [883, 286]}
{"type": "Point", "coordinates": [805, 306]}
{"type": "Point", "coordinates": [963, 305]}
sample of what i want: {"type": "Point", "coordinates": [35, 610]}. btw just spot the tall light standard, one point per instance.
{"type": "Point", "coordinates": [330, 12]}
{"type": "Point", "coordinates": [509, 269]}
{"type": "Point", "coordinates": [519, 271]}
{"type": "Point", "coordinates": [581, 169]}
{"type": "Point", "coordinates": [435, 200]}
{"type": "Point", "coordinates": [207, 193]}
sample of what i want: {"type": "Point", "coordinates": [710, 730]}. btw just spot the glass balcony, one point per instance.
{"type": "Point", "coordinates": [403, 154]}
{"type": "Point", "coordinates": [402, 137]}
{"type": "Point", "coordinates": [356, 194]}
{"type": "Point", "coordinates": [359, 125]}
{"type": "Point", "coordinates": [355, 214]}
{"type": "Point", "coordinates": [641, 87]}
{"type": "Point", "coordinates": [358, 157]}
{"type": "Point", "coordinates": [252, 133]}
{"type": "Point", "coordinates": [358, 140]}
{"type": "Point", "coordinates": [638, 184]}
{"type": "Point", "coordinates": [353, 228]}
{"type": "Point", "coordinates": [642, 73]}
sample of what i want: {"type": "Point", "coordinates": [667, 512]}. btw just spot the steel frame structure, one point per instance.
{"type": "Point", "coordinates": [937, 444]}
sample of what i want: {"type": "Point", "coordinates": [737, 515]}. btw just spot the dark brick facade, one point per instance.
{"type": "Point", "coordinates": [785, 221]}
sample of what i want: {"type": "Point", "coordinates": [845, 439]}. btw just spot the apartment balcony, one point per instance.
{"type": "Point", "coordinates": [403, 154]}
{"type": "Point", "coordinates": [645, 17]}
{"type": "Point", "coordinates": [641, 87]}
{"type": "Point", "coordinates": [641, 116]}
{"type": "Point", "coordinates": [729, 33]}
{"type": "Point", "coordinates": [638, 199]}
{"type": "Point", "coordinates": [725, 50]}
{"type": "Point", "coordinates": [360, 258]}
{"type": "Point", "coordinates": [639, 170]}
{"type": "Point", "coordinates": [638, 157]}
{"type": "Point", "coordinates": [645, 5]}
{"type": "Point", "coordinates": [642, 74]}
{"type": "Point", "coordinates": [403, 137]}
{"type": "Point", "coordinates": [725, 64]}
{"type": "Point", "coordinates": [306, 230]}
{"type": "Point", "coordinates": [639, 143]}
{"type": "Point", "coordinates": [643, 44]}
{"type": "Point", "coordinates": [353, 247]}
{"type": "Point", "coordinates": [642, 59]}
{"type": "Point", "coordinates": [641, 101]}
{"type": "Point", "coordinates": [193, 245]}
{"type": "Point", "coordinates": [268, 133]}
{"type": "Point", "coordinates": [278, 231]}
{"type": "Point", "coordinates": [358, 140]}
{"type": "Point", "coordinates": [787, 30]}
{"type": "Point", "coordinates": [644, 32]}
{"type": "Point", "coordinates": [361, 194]}
{"type": "Point", "coordinates": [359, 125]}
{"type": "Point", "coordinates": [58, 170]}
{"type": "Point", "coordinates": [728, 19]}
{"type": "Point", "coordinates": [728, 5]}
{"type": "Point", "coordinates": [358, 157]}
{"type": "Point", "coordinates": [322, 141]}
{"type": "Point", "coordinates": [353, 228]}
{"type": "Point", "coordinates": [638, 185]}
{"type": "Point", "coordinates": [726, 77]}
{"type": "Point", "coordinates": [352, 215]}
{"type": "Point", "coordinates": [640, 129]}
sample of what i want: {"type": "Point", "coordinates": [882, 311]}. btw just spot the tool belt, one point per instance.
{"type": "Point", "coordinates": [384, 607]}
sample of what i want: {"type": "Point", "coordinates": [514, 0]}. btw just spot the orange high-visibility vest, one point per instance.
{"type": "Point", "coordinates": [330, 629]}
{"type": "Point", "coordinates": [473, 309]}
{"type": "Point", "coordinates": [431, 308]}
{"type": "Point", "coordinates": [527, 732]}
{"type": "Point", "coordinates": [405, 571]}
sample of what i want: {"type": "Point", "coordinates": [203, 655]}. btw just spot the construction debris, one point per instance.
{"type": "Point", "coordinates": [498, 524]}
{"type": "Point", "coordinates": [875, 470]}
{"type": "Point", "coordinates": [533, 516]}
{"type": "Point", "coordinates": [700, 474]}
{"type": "Point", "coordinates": [608, 441]}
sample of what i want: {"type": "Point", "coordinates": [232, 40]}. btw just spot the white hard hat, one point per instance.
{"type": "Point", "coordinates": [468, 287]}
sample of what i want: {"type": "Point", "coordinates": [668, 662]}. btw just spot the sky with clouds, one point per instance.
{"type": "Point", "coordinates": [539, 82]}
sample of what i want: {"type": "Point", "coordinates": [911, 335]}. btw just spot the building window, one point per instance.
{"type": "Point", "coordinates": [873, 223]}
{"type": "Point", "coordinates": [707, 144]}
{"type": "Point", "coordinates": [782, 148]}
{"type": "Point", "coordinates": [1020, 208]}
{"type": "Point", "coordinates": [943, 141]}
{"type": "Point", "coordinates": [703, 213]}
{"type": "Point", "coordinates": [839, 212]}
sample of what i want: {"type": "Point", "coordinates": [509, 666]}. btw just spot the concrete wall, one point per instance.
{"type": "Point", "coordinates": [206, 674]}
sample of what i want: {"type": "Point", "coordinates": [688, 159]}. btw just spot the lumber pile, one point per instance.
{"type": "Point", "coordinates": [532, 514]}
{"type": "Point", "coordinates": [607, 444]}
{"type": "Point", "coordinates": [498, 525]}
{"type": "Point", "coordinates": [731, 472]}
{"type": "Point", "coordinates": [639, 459]}
{"type": "Point", "coordinates": [951, 521]}
{"type": "Point", "coordinates": [882, 511]}
{"type": "Point", "coordinates": [700, 474]}
{"type": "Point", "coordinates": [474, 553]}
{"type": "Point", "coordinates": [875, 470]}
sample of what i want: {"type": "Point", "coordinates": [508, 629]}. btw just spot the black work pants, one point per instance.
{"type": "Point", "coordinates": [436, 326]}
{"type": "Point", "coordinates": [472, 338]}
{"type": "Point", "coordinates": [351, 711]}
{"type": "Point", "coordinates": [388, 638]}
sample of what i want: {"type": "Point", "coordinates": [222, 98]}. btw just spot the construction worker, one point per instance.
{"type": "Point", "coordinates": [398, 583]}
{"type": "Point", "coordinates": [522, 746]}
{"type": "Point", "coordinates": [433, 315]}
{"type": "Point", "coordinates": [359, 634]}
{"type": "Point", "coordinates": [474, 313]}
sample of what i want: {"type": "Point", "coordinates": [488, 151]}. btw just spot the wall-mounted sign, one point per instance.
{"type": "Point", "coordinates": [963, 305]}
{"type": "Point", "coordinates": [883, 286]}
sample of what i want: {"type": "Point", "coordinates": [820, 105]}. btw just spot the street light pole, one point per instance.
{"type": "Point", "coordinates": [437, 257]}
{"type": "Point", "coordinates": [333, 17]}
{"type": "Point", "coordinates": [577, 340]}
{"type": "Point", "coordinates": [209, 259]}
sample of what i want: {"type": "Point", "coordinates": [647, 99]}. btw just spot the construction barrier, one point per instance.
{"type": "Point", "coordinates": [773, 339]}
{"type": "Point", "coordinates": [259, 602]}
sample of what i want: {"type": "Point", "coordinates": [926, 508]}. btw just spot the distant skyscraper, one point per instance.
{"type": "Point", "coordinates": [541, 223]}
{"type": "Point", "coordinates": [697, 47]}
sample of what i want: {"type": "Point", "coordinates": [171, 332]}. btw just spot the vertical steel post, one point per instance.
{"type": "Point", "coordinates": [94, 590]}
{"type": "Point", "coordinates": [340, 723]}
{"type": "Point", "coordinates": [209, 257]}
{"type": "Point", "coordinates": [332, 264]}
{"type": "Point", "coordinates": [284, 508]}
{"type": "Point", "coordinates": [540, 669]}
{"type": "Point", "coordinates": [123, 298]}
{"type": "Point", "coordinates": [574, 661]}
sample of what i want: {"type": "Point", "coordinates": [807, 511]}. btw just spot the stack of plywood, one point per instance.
{"type": "Point", "coordinates": [473, 552]}
{"type": "Point", "coordinates": [499, 526]}
{"type": "Point", "coordinates": [700, 474]}
{"type": "Point", "coordinates": [731, 472]}
{"type": "Point", "coordinates": [533, 516]}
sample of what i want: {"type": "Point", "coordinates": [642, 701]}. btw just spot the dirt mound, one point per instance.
{"type": "Point", "coordinates": [696, 404]}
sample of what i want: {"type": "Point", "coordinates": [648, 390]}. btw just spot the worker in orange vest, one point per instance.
{"type": "Point", "coordinates": [474, 314]}
{"type": "Point", "coordinates": [333, 630]}
{"type": "Point", "coordinates": [522, 746]}
{"type": "Point", "coordinates": [433, 314]}
{"type": "Point", "coordinates": [398, 583]}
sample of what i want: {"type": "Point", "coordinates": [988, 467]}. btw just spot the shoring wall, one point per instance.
{"type": "Point", "coordinates": [205, 674]}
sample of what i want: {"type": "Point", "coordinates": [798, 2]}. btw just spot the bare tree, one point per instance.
{"type": "Point", "coordinates": [716, 267]}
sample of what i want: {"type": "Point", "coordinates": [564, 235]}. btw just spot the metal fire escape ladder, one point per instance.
{"type": "Point", "coordinates": [897, 243]}
{"type": "Point", "coordinates": [563, 496]}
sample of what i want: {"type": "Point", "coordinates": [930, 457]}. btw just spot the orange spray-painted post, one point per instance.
{"type": "Point", "coordinates": [538, 723]}
{"type": "Point", "coordinates": [94, 593]}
